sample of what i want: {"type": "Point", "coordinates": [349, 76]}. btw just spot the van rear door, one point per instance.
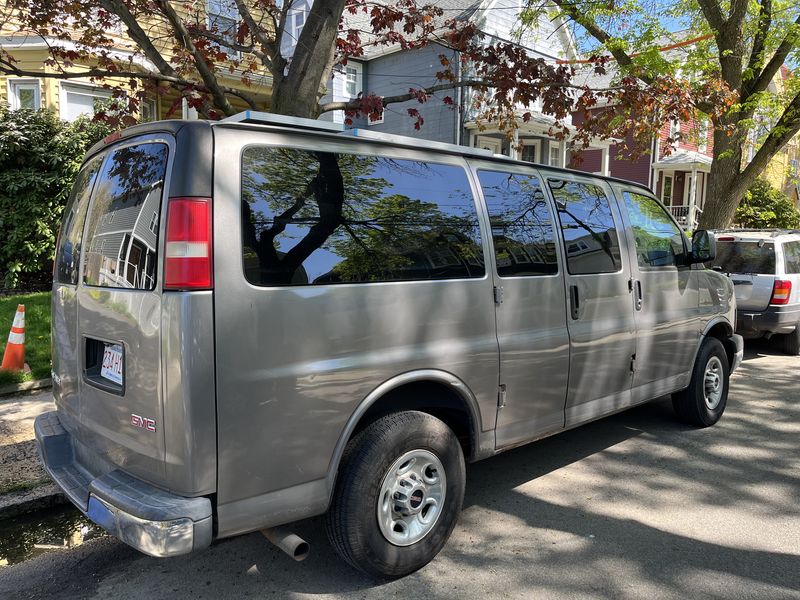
{"type": "Point", "coordinates": [119, 309]}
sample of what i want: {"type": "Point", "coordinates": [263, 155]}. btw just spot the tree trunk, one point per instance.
{"type": "Point", "coordinates": [299, 92]}
{"type": "Point", "coordinates": [723, 194]}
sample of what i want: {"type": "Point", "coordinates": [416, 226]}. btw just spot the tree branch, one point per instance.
{"type": "Point", "coordinates": [713, 14]}
{"type": "Point", "coordinates": [206, 73]}
{"type": "Point", "coordinates": [789, 43]}
{"type": "Point", "coordinates": [757, 52]}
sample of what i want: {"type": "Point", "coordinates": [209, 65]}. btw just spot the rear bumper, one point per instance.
{"type": "Point", "coordinates": [775, 319]}
{"type": "Point", "coordinates": [151, 520]}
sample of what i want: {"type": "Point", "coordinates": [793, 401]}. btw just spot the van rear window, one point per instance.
{"type": "Point", "coordinates": [122, 234]}
{"type": "Point", "coordinates": [746, 257]}
{"type": "Point", "coordinates": [68, 250]}
{"type": "Point", "coordinates": [312, 217]}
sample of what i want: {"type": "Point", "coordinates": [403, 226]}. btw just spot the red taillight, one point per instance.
{"type": "Point", "coordinates": [781, 292]}
{"type": "Point", "coordinates": [188, 250]}
{"type": "Point", "coordinates": [726, 239]}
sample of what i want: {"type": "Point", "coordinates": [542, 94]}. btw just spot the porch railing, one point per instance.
{"type": "Point", "coordinates": [687, 216]}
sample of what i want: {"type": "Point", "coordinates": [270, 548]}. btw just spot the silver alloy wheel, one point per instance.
{"type": "Point", "coordinates": [713, 383]}
{"type": "Point", "coordinates": [412, 497]}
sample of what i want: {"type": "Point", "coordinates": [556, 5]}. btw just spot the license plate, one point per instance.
{"type": "Point", "coordinates": [112, 363]}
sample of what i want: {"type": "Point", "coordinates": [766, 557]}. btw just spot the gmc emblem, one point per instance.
{"type": "Point", "coordinates": [143, 423]}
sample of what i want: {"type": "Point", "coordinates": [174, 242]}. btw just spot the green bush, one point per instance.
{"type": "Point", "coordinates": [39, 158]}
{"type": "Point", "coordinates": [764, 206]}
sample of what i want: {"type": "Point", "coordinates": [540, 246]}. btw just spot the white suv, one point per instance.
{"type": "Point", "coordinates": [764, 266]}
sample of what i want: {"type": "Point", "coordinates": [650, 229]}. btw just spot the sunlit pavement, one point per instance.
{"type": "Point", "coordinates": [634, 506]}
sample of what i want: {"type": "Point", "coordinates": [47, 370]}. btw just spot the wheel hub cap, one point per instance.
{"type": "Point", "coordinates": [712, 383]}
{"type": "Point", "coordinates": [411, 497]}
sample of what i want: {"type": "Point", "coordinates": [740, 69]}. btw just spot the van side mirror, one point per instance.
{"type": "Point", "coordinates": [704, 247]}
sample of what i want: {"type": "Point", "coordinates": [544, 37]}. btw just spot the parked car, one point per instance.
{"type": "Point", "coordinates": [764, 266]}
{"type": "Point", "coordinates": [330, 321]}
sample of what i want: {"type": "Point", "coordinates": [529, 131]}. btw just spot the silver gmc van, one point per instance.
{"type": "Point", "coordinates": [264, 319]}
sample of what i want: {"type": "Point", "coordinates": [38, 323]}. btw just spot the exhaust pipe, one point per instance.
{"type": "Point", "coordinates": [293, 545]}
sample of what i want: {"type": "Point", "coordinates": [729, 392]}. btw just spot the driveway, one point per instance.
{"type": "Point", "coordinates": [636, 505]}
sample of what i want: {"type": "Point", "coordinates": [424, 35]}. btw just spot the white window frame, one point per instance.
{"type": "Point", "coordinates": [152, 106]}
{"type": "Point", "coordinates": [294, 29]}
{"type": "Point", "coordinates": [355, 70]}
{"type": "Point", "coordinates": [17, 85]}
{"type": "Point", "coordinates": [532, 144]}
{"type": "Point", "coordinates": [702, 135]}
{"type": "Point", "coordinates": [87, 90]}
{"type": "Point", "coordinates": [377, 121]}
{"type": "Point", "coordinates": [557, 150]}
{"type": "Point", "coordinates": [213, 8]}
{"type": "Point", "coordinates": [675, 131]}
{"type": "Point", "coordinates": [664, 177]}
{"type": "Point", "coordinates": [489, 143]}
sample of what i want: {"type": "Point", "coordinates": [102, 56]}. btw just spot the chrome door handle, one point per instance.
{"type": "Point", "coordinates": [574, 302]}
{"type": "Point", "coordinates": [637, 288]}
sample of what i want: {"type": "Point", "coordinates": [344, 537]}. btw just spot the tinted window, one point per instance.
{"type": "Point", "coordinates": [522, 225]}
{"type": "Point", "coordinates": [791, 255]}
{"type": "Point", "coordinates": [68, 250]}
{"type": "Point", "coordinates": [313, 217]}
{"type": "Point", "coordinates": [121, 241]}
{"type": "Point", "coordinates": [745, 257]}
{"type": "Point", "coordinates": [587, 226]}
{"type": "Point", "coordinates": [659, 242]}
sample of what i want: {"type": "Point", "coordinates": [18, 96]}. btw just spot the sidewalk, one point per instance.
{"type": "Point", "coordinates": [24, 486]}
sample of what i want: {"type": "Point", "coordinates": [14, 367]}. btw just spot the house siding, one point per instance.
{"type": "Point", "coordinates": [392, 74]}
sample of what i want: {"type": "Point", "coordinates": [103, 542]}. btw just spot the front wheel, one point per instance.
{"type": "Point", "coordinates": [398, 496]}
{"type": "Point", "coordinates": [704, 401]}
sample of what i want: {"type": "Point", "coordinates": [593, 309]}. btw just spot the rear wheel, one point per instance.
{"type": "Point", "coordinates": [791, 342]}
{"type": "Point", "coordinates": [704, 401]}
{"type": "Point", "coordinates": [398, 496]}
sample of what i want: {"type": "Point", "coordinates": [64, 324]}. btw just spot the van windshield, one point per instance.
{"type": "Point", "coordinates": [746, 257]}
{"type": "Point", "coordinates": [122, 234]}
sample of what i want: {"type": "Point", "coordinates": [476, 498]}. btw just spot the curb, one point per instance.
{"type": "Point", "coordinates": [20, 503]}
{"type": "Point", "coordinates": [26, 386]}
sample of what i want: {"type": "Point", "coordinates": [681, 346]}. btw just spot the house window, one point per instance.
{"type": "Point", "coordinates": [352, 83]}
{"type": "Point", "coordinates": [77, 100]}
{"type": "Point", "coordinates": [147, 111]}
{"type": "Point", "coordinates": [154, 223]}
{"type": "Point", "coordinates": [666, 190]}
{"type": "Point", "coordinates": [494, 145]}
{"type": "Point", "coordinates": [25, 94]}
{"type": "Point", "coordinates": [702, 136]}
{"type": "Point", "coordinates": [378, 121]}
{"type": "Point", "coordinates": [530, 151]}
{"type": "Point", "coordinates": [675, 131]}
{"type": "Point", "coordinates": [555, 156]}
{"type": "Point", "coordinates": [223, 20]}
{"type": "Point", "coordinates": [297, 19]}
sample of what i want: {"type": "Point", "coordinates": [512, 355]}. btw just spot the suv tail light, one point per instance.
{"type": "Point", "coordinates": [188, 255]}
{"type": "Point", "coordinates": [781, 292]}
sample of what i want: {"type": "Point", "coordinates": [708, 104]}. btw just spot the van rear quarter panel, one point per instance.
{"type": "Point", "coordinates": [293, 363]}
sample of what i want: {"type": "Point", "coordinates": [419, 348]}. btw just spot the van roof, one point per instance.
{"type": "Point", "coordinates": [273, 122]}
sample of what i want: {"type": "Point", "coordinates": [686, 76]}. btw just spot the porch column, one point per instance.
{"type": "Point", "coordinates": [656, 176]}
{"type": "Point", "coordinates": [692, 197]}
{"type": "Point", "coordinates": [604, 153]}
{"type": "Point", "coordinates": [563, 147]}
{"type": "Point", "coordinates": [515, 150]}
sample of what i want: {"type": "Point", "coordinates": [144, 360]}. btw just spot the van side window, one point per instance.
{"type": "Point", "coordinates": [659, 241]}
{"type": "Point", "coordinates": [121, 248]}
{"type": "Point", "coordinates": [311, 217]}
{"type": "Point", "coordinates": [791, 256]}
{"type": "Point", "coordinates": [68, 250]}
{"type": "Point", "coordinates": [587, 226]}
{"type": "Point", "coordinates": [522, 225]}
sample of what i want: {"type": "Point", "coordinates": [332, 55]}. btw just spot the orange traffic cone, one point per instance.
{"type": "Point", "coordinates": [14, 356]}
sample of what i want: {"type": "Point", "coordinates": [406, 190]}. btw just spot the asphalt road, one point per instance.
{"type": "Point", "coordinates": [633, 506]}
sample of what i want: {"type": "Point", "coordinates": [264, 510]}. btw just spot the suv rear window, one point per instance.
{"type": "Point", "coordinates": [746, 257]}
{"type": "Point", "coordinates": [122, 235]}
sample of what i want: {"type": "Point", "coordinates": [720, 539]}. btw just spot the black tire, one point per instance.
{"type": "Point", "coordinates": [791, 342]}
{"type": "Point", "coordinates": [690, 404]}
{"type": "Point", "coordinates": [352, 520]}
